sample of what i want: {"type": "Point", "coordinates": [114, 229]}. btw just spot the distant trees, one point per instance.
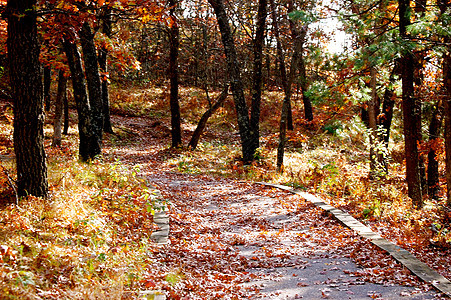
{"type": "Point", "coordinates": [402, 52]}
{"type": "Point", "coordinates": [251, 46]}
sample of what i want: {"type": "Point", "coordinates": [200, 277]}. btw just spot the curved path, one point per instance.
{"type": "Point", "coordinates": [238, 240]}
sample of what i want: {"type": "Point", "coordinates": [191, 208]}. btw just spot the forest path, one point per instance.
{"type": "Point", "coordinates": [233, 239]}
{"type": "Point", "coordinates": [254, 242]}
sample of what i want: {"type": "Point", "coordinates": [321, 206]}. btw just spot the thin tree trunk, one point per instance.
{"type": "Point", "coordinates": [282, 134]}
{"type": "Point", "coordinates": [410, 111]}
{"type": "Point", "coordinates": [295, 34]}
{"type": "Point", "coordinates": [26, 83]}
{"type": "Point", "coordinates": [257, 79]}
{"type": "Point", "coordinates": [308, 108]}
{"type": "Point", "coordinates": [373, 124]}
{"type": "Point", "coordinates": [444, 6]}
{"type": "Point", "coordinates": [279, 57]}
{"type": "Point", "coordinates": [434, 132]}
{"type": "Point", "coordinates": [176, 130]}
{"type": "Point", "coordinates": [66, 113]}
{"type": "Point", "coordinates": [204, 119]}
{"type": "Point", "coordinates": [89, 146]}
{"type": "Point", "coordinates": [59, 106]}
{"type": "Point", "coordinates": [286, 107]}
{"type": "Point", "coordinates": [47, 84]}
{"type": "Point", "coordinates": [103, 55]}
{"type": "Point", "coordinates": [283, 75]}
{"type": "Point", "coordinates": [93, 81]}
{"type": "Point", "coordinates": [268, 71]}
{"type": "Point", "coordinates": [233, 68]}
{"type": "Point", "coordinates": [386, 116]}
{"type": "Point", "coordinates": [447, 112]}
{"type": "Point", "coordinates": [299, 38]}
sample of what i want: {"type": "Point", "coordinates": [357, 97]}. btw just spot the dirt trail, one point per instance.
{"type": "Point", "coordinates": [239, 240]}
{"type": "Point", "coordinates": [260, 243]}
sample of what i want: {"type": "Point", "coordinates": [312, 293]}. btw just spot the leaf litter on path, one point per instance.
{"type": "Point", "coordinates": [236, 240]}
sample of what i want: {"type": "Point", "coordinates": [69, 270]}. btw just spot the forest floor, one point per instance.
{"type": "Point", "coordinates": [229, 237]}
{"type": "Point", "coordinates": [237, 239]}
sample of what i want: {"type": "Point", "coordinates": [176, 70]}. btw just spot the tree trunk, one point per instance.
{"type": "Point", "coordinates": [447, 112]}
{"type": "Point", "coordinates": [204, 119]}
{"type": "Point", "coordinates": [286, 107]}
{"type": "Point", "coordinates": [66, 113]}
{"type": "Point", "coordinates": [434, 132]}
{"type": "Point", "coordinates": [411, 114]}
{"type": "Point", "coordinates": [373, 125]}
{"type": "Point", "coordinates": [59, 106]}
{"type": "Point", "coordinates": [308, 108]}
{"type": "Point", "coordinates": [233, 68]}
{"type": "Point", "coordinates": [298, 39]}
{"type": "Point", "coordinates": [386, 116]}
{"type": "Point", "coordinates": [176, 130]}
{"type": "Point", "coordinates": [279, 57]}
{"type": "Point", "coordinates": [26, 85]}
{"type": "Point", "coordinates": [103, 55]}
{"type": "Point", "coordinates": [444, 5]}
{"type": "Point", "coordinates": [89, 146]}
{"type": "Point", "coordinates": [282, 133]}
{"type": "Point", "coordinates": [93, 82]}
{"type": "Point", "coordinates": [257, 79]}
{"type": "Point", "coordinates": [47, 84]}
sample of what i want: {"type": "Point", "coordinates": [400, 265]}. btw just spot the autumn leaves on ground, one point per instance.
{"type": "Point", "coordinates": [92, 239]}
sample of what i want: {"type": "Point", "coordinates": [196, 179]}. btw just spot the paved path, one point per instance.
{"type": "Point", "coordinates": [286, 247]}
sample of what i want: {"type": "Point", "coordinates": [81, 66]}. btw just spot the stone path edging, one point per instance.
{"type": "Point", "coordinates": [404, 257]}
{"type": "Point", "coordinates": [161, 219]}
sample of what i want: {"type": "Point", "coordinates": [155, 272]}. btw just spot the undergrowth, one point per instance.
{"type": "Point", "coordinates": [330, 158]}
{"type": "Point", "coordinates": [88, 240]}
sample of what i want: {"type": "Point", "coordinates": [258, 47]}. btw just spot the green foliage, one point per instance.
{"type": "Point", "coordinates": [318, 92]}
{"type": "Point", "coordinates": [333, 127]}
{"type": "Point", "coordinates": [306, 17]}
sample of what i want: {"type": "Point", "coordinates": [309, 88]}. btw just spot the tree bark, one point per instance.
{"type": "Point", "coordinates": [308, 108]}
{"type": "Point", "coordinates": [233, 68]}
{"type": "Point", "coordinates": [66, 113]}
{"type": "Point", "coordinates": [103, 55]}
{"type": "Point", "coordinates": [47, 84]}
{"type": "Point", "coordinates": [59, 106]}
{"type": "Point", "coordinates": [444, 6]}
{"type": "Point", "coordinates": [89, 146]}
{"type": "Point", "coordinates": [447, 112]}
{"type": "Point", "coordinates": [257, 79]}
{"type": "Point", "coordinates": [279, 57]}
{"type": "Point", "coordinates": [204, 119]}
{"type": "Point", "coordinates": [176, 130]}
{"type": "Point", "coordinates": [434, 132]}
{"type": "Point", "coordinates": [26, 84]}
{"type": "Point", "coordinates": [93, 82]}
{"type": "Point", "coordinates": [386, 115]}
{"type": "Point", "coordinates": [411, 113]}
{"type": "Point", "coordinates": [298, 39]}
{"type": "Point", "coordinates": [286, 107]}
{"type": "Point", "coordinates": [372, 124]}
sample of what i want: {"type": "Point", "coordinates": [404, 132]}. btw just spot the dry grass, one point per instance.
{"type": "Point", "coordinates": [74, 245]}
